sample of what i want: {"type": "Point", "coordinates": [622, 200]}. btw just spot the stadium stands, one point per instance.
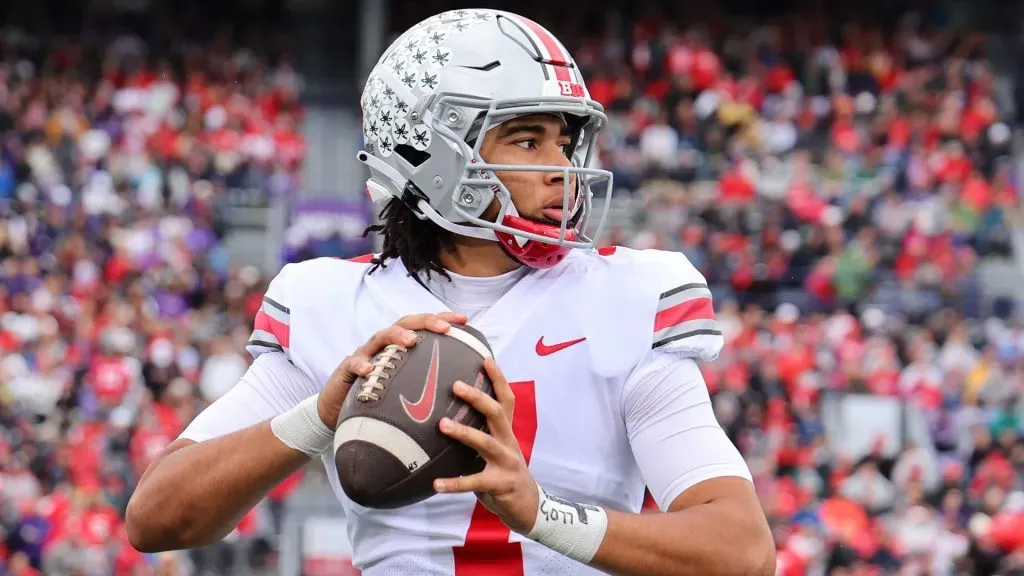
{"type": "Point", "coordinates": [839, 195]}
{"type": "Point", "coordinates": [839, 191]}
{"type": "Point", "coordinates": [120, 314]}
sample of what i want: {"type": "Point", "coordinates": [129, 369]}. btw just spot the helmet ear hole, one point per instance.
{"type": "Point", "coordinates": [414, 157]}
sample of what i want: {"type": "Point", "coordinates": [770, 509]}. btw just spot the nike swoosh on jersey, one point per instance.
{"type": "Point", "coordinates": [421, 410]}
{"type": "Point", "coordinates": [545, 350]}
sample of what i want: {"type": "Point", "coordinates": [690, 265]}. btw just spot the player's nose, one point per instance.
{"type": "Point", "coordinates": [554, 179]}
{"type": "Point", "coordinates": [557, 177]}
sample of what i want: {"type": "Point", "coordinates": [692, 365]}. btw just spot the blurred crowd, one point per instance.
{"type": "Point", "coordinates": [120, 314]}
{"type": "Point", "coordinates": [837, 185]}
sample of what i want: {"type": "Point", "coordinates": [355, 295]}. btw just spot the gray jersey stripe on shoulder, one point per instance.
{"type": "Point", "coordinates": [689, 327]}
{"type": "Point", "coordinates": [685, 335]}
{"type": "Point", "coordinates": [683, 294]}
{"type": "Point", "coordinates": [277, 304]}
{"type": "Point", "coordinates": [262, 344]}
{"type": "Point", "coordinates": [275, 313]}
{"type": "Point", "coordinates": [678, 289]}
{"type": "Point", "coordinates": [264, 336]}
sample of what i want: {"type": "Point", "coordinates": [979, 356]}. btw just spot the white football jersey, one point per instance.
{"type": "Point", "coordinates": [567, 339]}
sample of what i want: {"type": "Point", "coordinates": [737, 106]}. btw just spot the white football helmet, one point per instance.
{"type": "Point", "coordinates": [433, 95]}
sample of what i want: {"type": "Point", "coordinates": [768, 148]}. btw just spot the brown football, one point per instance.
{"type": "Point", "coordinates": [388, 448]}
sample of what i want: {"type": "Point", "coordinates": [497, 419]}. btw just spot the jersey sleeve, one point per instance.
{"type": "Point", "coordinates": [272, 385]}
{"type": "Point", "coordinates": [673, 432]}
{"type": "Point", "coordinates": [684, 316]}
{"type": "Point", "coordinates": [272, 326]}
{"type": "Point", "coordinates": [279, 377]}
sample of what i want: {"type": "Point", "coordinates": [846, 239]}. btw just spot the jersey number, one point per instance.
{"type": "Point", "coordinates": [487, 551]}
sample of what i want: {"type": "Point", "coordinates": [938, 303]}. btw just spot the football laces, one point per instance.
{"type": "Point", "coordinates": [383, 368]}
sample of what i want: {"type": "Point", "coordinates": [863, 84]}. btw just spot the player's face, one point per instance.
{"type": "Point", "coordinates": [540, 139]}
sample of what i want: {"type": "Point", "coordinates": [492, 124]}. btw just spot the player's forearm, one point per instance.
{"type": "Point", "coordinates": [720, 537]}
{"type": "Point", "coordinates": [194, 494]}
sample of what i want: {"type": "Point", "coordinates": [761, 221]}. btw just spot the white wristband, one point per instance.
{"type": "Point", "coordinates": [571, 529]}
{"type": "Point", "coordinates": [302, 429]}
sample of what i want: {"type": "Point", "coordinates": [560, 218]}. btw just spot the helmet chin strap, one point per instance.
{"type": "Point", "coordinates": [511, 211]}
{"type": "Point", "coordinates": [460, 229]}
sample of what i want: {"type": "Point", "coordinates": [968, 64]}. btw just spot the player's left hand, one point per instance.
{"type": "Point", "coordinates": [505, 486]}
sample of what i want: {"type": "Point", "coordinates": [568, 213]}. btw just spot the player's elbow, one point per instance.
{"type": "Point", "coordinates": [756, 554]}
{"type": "Point", "coordinates": [164, 513]}
{"type": "Point", "coordinates": [760, 557]}
{"type": "Point", "coordinates": [748, 546]}
{"type": "Point", "coordinates": [153, 526]}
{"type": "Point", "coordinates": [148, 530]}
{"type": "Point", "coordinates": [158, 522]}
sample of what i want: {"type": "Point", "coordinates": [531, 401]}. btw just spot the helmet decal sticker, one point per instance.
{"type": "Point", "coordinates": [386, 117]}
{"type": "Point", "coordinates": [401, 131]}
{"type": "Point", "coordinates": [428, 80]}
{"type": "Point", "coordinates": [385, 145]}
{"type": "Point", "coordinates": [421, 137]}
{"type": "Point", "coordinates": [441, 57]}
{"type": "Point", "coordinates": [401, 107]}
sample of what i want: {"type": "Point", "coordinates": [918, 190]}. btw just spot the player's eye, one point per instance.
{"type": "Point", "coordinates": [528, 144]}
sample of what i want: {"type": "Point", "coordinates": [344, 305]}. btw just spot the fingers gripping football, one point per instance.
{"type": "Point", "coordinates": [488, 445]}
{"type": "Point", "coordinates": [505, 485]}
{"type": "Point", "coordinates": [485, 444]}
{"type": "Point", "coordinates": [502, 389]}
{"type": "Point", "coordinates": [497, 411]}
{"type": "Point", "coordinates": [403, 332]}
{"type": "Point", "coordinates": [394, 334]}
{"type": "Point", "coordinates": [358, 364]}
{"type": "Point", "coordinates": [499, 446]}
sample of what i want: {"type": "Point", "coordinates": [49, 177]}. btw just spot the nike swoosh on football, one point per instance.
{"type": "Point", "coordinates": [545, 350]}
{"type": "Point", "coordinates": [421, 410]}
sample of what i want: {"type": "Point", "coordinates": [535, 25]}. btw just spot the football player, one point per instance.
{"type": "Point", "coordinates": [479, 140]}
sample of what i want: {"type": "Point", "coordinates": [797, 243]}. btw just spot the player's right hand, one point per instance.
{"type": "Point", "coordinates": [358, 363]}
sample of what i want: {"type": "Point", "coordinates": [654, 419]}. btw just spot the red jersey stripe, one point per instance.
{"type": "Point", "coordinates": [270, 324]}
{"type": "Point", "coordinates": [696, 309]}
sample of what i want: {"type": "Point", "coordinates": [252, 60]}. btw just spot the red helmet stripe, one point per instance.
{"type": "Point", "coordinates": [557, 57]}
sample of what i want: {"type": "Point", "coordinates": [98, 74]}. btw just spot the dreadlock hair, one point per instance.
{"type": "Point", "coordinates": [416, 242]}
